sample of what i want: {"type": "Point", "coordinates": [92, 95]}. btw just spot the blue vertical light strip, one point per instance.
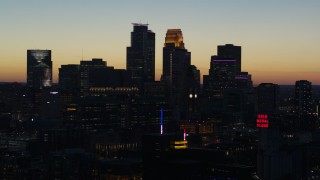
{"type": "Point", "coordinates": [161, 121]}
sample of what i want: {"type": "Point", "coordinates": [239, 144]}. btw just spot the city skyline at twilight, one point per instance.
{"type": "Point", "coordinates": [279, 40]}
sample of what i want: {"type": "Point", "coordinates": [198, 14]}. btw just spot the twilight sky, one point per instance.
{"type": "Point", "coordinates": [280, 39]}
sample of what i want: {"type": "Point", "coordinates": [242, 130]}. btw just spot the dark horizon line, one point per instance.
{"type": "Point", "coordinates": [254, 85]}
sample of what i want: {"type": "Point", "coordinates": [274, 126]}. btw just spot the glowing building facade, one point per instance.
{"type": "Point", "coordinates": [39, 69]}
{"type": "Point", "coordinates": [176, 58]}
{"type": "Point", "coordinates": [174, 36]}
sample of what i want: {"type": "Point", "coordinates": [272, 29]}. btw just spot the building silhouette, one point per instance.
{"type": "Point", "coordinates": [176, 61]}
{"type": "Point", "coordinates": [304, 106]}
{"type": "Point", "coordinates": [168, 156]}
{"type": "Point", "coordinates": [268, 98]}
{"type": "Point", "coordinates": [141, 55]}
{"type": "Point", "coordinates": [222, 73]}
{"type": "Point", "coordinates": [228, 91]}
{"type": "Point", "coordinates": [105, 95]}
{"type": "Point", "coordinates": [69, 78]}
{"type": "Point", "coordinates": [303, 97]}
{"type": "Point", "coordinates": [86, 67]}
{"type": "Point", "coordinates": [39, 69]}
{"type": "Point", "coordinates": [229, 51]}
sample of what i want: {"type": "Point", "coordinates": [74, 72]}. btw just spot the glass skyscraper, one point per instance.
{"type": "Point", "coordinates": [39, 69]}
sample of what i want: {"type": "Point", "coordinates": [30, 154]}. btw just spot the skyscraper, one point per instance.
{"type": "Point", "coordinates": [176, 60]}
{"type": "Point", "coordinates": [39, 69]}
{"type": "Point", "coordinates": [268, 98]}
{"type": "Point", "coordinates": [303, 97]}
{"type": "Point", "coordinates": [86, 67]}
{"type": "Point", "coordinates": [227, 89]}
{"type": "Point", "coordinates": [69, 83]}
{"type": "Point", "coordinates": [176, 64]}
{"type": "Point", "coordinates": [229, 51]}
{"type": "Point", "coordinates": [69, 78]}
{"type": "Point", "coordinates": [141, 55]}
{"type": "Point", "coordinates": [225, 70]}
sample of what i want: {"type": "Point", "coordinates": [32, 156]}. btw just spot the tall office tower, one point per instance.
{"type": "Point", "coordinates": [229, 51]}
{"type": "Point", "coordinates": [223, 71]}
{"type": "Point", "coordinates": [69, 83]}
{"type": "Point", "coordinates": [222, 75]}
{"type": "Point", "coordinates": [69, 78]}
{"type": "Point", "coordinates": [267, 97]}
{"type": "Point", "coordinates": [228, 90]}
{"type": "Point", "coordinates": [303, 97]}
{"type": "Point", "coordinates": [176, 60]}
{"type": "Point", "coordinates": [39, 69]}
{"type": "Point", "coordinates": [141, 55]}
{"type": "Point", "coordinates": [87, 67]}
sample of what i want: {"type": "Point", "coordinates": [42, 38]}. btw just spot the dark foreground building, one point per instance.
{"type": "Point", "coordinates": [167, 156]}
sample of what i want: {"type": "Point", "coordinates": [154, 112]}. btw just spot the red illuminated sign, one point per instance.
{"type": "Point", "coordinates": [262, 121]}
